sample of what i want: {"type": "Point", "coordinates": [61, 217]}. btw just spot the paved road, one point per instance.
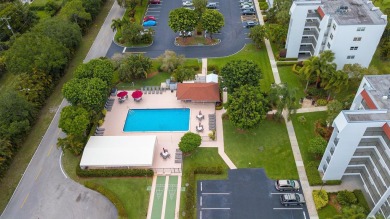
{"type": "Point", "coordinates": [46, 192]}
{"type": "Point", "coordinates": [233, 35]}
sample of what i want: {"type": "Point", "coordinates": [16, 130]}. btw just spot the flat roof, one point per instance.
{"type": "Point", "coordinates": [353, 12]}
{"type": "Point", "coordinates": [119, 151]}
{"type": "Point", "coordinates": [379, 87]}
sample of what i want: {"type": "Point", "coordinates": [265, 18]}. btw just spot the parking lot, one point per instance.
{"type": "Point", "coordinates": [247, 193]}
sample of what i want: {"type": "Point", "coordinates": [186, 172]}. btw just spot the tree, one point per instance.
{"type": "Point", "coordinates": [92, 7]}
{"type": "Point", "coordinates": [237, 73]}
{"type": "Point", "coordinates": [352, 212]}
{"type": "Point", "coordinates": [5, 149]}
{"type": "Point", "coordinates": [334, 107]}
{"type": "Point", "coordinates": [170, 61]}
{"type": "Point", "coordinates": [74, 120]}
{"type": "Point", "coordinates": [356, 72]}
{"type": "Point", "coordinates": [63, 31]}
{"type": "Point", "coordinates": [246, 107]}
{"type": "Point", "coordinates": [276, 33]}
{"type": "Point", "coordinates": [257, 34]}
{"type": "Point", "coordinates": [200, 6]}
{"type": "Point", "coordinates": [335, 81]}
{"type": "Point", "coordinates": [117, 24]}
{"type": "Point", "coordinates": [281, 96]}
{"type": "Point", "coordinates": [134, 67]}
{"type": "Point", "coordinates": [189, 142]}
{"type": "Point", "coordinates": [317, 146]}
{"type": "Point", "coordinates": [131, 33]}
{"type": "Point", "coordinates": [212, 21]}
{"type": "Point", "coordinates": [96, 68]}
{"type": "Point", "coordinates": [72, 143]}
{"type": "Point", "coordinates": [181, 19]}
{"type": "Point", "coordinates": [36, 51]}
{"type": "Point", "coordinates": [75, 12]}
{"type": "Point", "coordinates": [181, 74]}
{"type": "Point", "coordinates": [279, 13]}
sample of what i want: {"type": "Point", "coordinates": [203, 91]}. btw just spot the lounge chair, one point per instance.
{"type": "Point", "coordinates": [100, 129]}
{"type": "Point", "coordinates": [199, 128]}
{"type": "Point", "coordinates": [150, 90]}
{"type": "Point", "coordinates": [98, 134]}
{"type": "Point", "coordinates": [178, 160]}
{"type": "Point", "coordinates": [153, 90]}
{"type": "Point", "coordinates": [178, 156]}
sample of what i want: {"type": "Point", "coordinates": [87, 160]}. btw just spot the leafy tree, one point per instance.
{"type": "Point", "coordinates": [5, 149]}
{"type": "Point", "coordinates": [257, 34]}
{"type": "Point", "coordinates": [279, 13]}
{"type": "Point", "coordinates": [75, 12]}
{"type": "Point", "coordinates": [73, 90]}
{"type": "Point", "coordinates": [181, 74]}
{"type": "Point", "coordinates": [356, 72]}
{"type": "Point", "coordinates": [281, 96]}
{"type": "Point", "coordinates": [96, 68]}
{"type": "Point", "coordinates": [346, 197]}
{"type": "Point", "coordinates": [317, 146]}
{"type": "Point", "coordinates": [72, 143]}
{"type": "Point", "coordinates": [189, 142]}
{"type": "Point", "coordinates": [276, 33]}
{"type": "Point", "coordinates": [74, 120]}
{"type": "Point", "coordinates": [212, 21]}
{"type": "Point", "coordinates": [35, 86]}
{"type": "Point", "coordinates": [63, 31]}
{"type": "Point", "coordinates": [334, 107]}
{"type": "Point", "coordinates": [237, 73]}
{"type": "Point", "coordinates": [352, 212]}
{"type": "Point", "coordinates": [117, 24]}
{"type": "Point", "coordinates": [92, 7]}
{"type": "Point", "coordinates": [131, 32]}
{"type": "Point", "coordinates": [335, 81]}
{"type": "Point", "coordinates": [200, 6]}
{"type": "Point", "coordinates": [246, 107]}
{"type": "Point", "coordinates": [16, 116]}
{"type": "Point", "coordinates": [181, 19]}
{"type": "Point", "coordinates": [36, 51]}
{"type": "Point", "coordinates": [384, 50]}
{"type": "Point", "coordinates": [134, 67]}
{"type": "Point", "coordinates": [170, 61]}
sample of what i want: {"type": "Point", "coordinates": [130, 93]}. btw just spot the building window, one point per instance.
{"type": "Point", "coordinates": [334, 26]}
{"type": "Point", "coordinates": [353, 48]}
{"type": "Point", "coordinates": [357, 39]}
{"type": "Point", "coordinates": [350, 57]}
{"type": "Point", "coordinates": [331, 36]}
{"type": "Point", "coordinates": [361, 29]}
{"type": "Point", "coordinates": [328, 45]}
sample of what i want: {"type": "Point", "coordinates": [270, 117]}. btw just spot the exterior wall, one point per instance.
{"type": "Point", "coordinates": [358, 98]}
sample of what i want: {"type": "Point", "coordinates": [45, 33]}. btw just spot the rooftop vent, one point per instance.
{"type": "Point", "coordinates": [374, 8]}
{"type": "Point", "coordinates": [355, 2]}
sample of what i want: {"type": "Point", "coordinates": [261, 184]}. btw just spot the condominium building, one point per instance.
{"type": "Point", "coordinates": [360, 143]}
{"type": "Point", "coordinates": [351, 29]}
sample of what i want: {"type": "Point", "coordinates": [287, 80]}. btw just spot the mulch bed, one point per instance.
{"type": "Point", "coordinates": [333, 202]}
{"type": "Point", "coordinates": [195, 40]}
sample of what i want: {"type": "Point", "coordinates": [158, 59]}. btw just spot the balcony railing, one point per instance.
{"type": "Point", "coordinates": [312, 24]}
{"type": "Point", "coordinates": [328, 159]}
{"type": "Point", "coordinates": [332, 150]}
{"type": "Point", "coordinates": [313, 15]}
{"type": "Point", "coordinates": [309, 40]}
{"type": "Point", "coordinates": [311, 33]}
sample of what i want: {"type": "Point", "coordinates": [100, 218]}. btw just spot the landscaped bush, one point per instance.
{"type": "Point", "coordinates": [288, 59]}
{"type": "Point", "coordinates": [333, 182]}
{"type": "Point", "coordinates": [113, 172]}
{"type": "Point", "coordinates": [302, 119]}
{"type": "Point", "coordinates": [286, 63]}
{"type": "Point", "coordinates": [212, 135]}
{"type": "Point", "coordinates": [320, 198]}
{"type": "Point", "coordinates": [263, 5]}
{"type": "Point", "coordinates": [317, 147]}
{"type": "Point", "coordinates": [322, 102]}
{"type": "Point", "coordinates": [316, 92]}
{"type": "Point", "coordinates": [195, 67]}
{"type": "Point", "coordinates": [283, 53]}
{"type": "Point", "coordinates": [213, 68]}
{"type": "Point", "coordinates": [111, 196]}
{"type": "Point", "coordinates": [346, 197]}
{"type": "Point", "coordinates": [361, 199]}
{"type": "Point", "coordinates": [189, 142]}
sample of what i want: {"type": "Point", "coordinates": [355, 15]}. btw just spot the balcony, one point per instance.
{"type": "Point", "coordinates": [365, 177]}
{"type": "Point", "coordinates": [313, 15]}
{"type": "Point", "coordinates": [311, 33]}
{"type": "Point", "coordinates": [336, 141]}
{"type": "Point", "coordinates": [332, 150]}
{"type": "Point", "coordinates": [375, 142]}
{"type": "Point", "coordinates": [309, 40]}
{"type": "Point", "coordinates": [328, 159]}
{"type": "Point", "coordinates": [312, 24]}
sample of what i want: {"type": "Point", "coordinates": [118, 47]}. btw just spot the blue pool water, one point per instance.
{"type": "Point", "coordinates": [157, 120]}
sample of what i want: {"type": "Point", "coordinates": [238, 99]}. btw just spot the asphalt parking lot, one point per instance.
{"type": "Point", "coordinates": [247, 193]}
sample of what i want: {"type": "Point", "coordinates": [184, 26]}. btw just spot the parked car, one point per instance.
{"type": "Point", "coordinates": [149, 23]}
{"type": "Point", "coordinates": [187, 4]}
{"type": "Point", "coordinates": [250, 9]}
{"type": "Point", "coordinates": [211, 5]}
{"type": "Point", "coordinates": [185, 33]}
{"type": "Point", "coordinates": [246, 3]}
{"type": "Point", "coordinates": [154, 2]}
{"type": "Point", "coordinates": [292, 199]}
{"type": "Point", "coordinates": [247, 7]}
{"type": "Point", "coordinates": [250, 24]}
{"type": "Point", "coordinates": [247, 12]}
{"type": "Point", "coordinates": [149, 18]}
{"type": "Point", "coordinates": [242, 1]}
{"type": "Point", "coordinates": [287, 185]}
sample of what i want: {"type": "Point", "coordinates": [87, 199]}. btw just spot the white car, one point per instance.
{"type": "Point", "coordinates": [187, 4]}
{"type": "Point", "coordinates": [241, 1]}
{"type": "Point", "coordinates": [247, 7]}
{"type": "Point", "coordinates": [246, 3]}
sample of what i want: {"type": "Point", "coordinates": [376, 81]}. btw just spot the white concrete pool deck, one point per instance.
{"type": "Point", "coordinates": [115, 120]}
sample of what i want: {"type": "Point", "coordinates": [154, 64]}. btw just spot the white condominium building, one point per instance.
{"type": "Point", "coordinates": [360, 142]}
{"type": "Point", "coordinates": [350, 28]}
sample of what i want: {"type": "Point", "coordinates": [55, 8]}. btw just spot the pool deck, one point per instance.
{"type": "Point", "coordinates": [115, 120]}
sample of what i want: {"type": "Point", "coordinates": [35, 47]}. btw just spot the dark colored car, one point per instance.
{"type": "Point", "coordinates": [247, 12]}
{"type": "Point", "coordinates": [287, 185]}
{"type": "Point", "coordinates": [149, 18]}
{"type": "Point", "coordinates": [154, 1]}
{"type": "Point", "coordinates": [250, 24]}
{"type": "Point", "coordinates": [292, 199]}
{"type": "Point", "coordinates": [211, 5]}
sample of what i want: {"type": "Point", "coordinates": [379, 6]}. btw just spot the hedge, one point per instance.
{"type": "Point", "coordinates": [113, 172]}
{"type": "Point", "coordinates": [286, 63]}
{"type": "Point", "coordinates": [288, 59]}
{"type": "Point", "coordinates": [361, 199]}
{"type": "Point", "coordinates": [321, 198]}
{"type": "Point", "coordinates": [190, 201]}
{"type": "Point", "coordinates": [312, 173]}
{"type": "Point", "coordinates": [111, 196]}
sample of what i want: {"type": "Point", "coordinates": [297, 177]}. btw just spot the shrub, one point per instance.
{"type": "Point", "coordinates": [302, 119]}
{"type": "Point", "coordinates": [263, 5]}
{"type": "Point", "coordinates": [219, 107]}
{"type": "Point", "coordinates": [212, 135]}
{"type": "Point", "coordinates": [282, 53]}
{"type": "Point", "coordinates": [316, 92]}
{"type": "Point", "coordinates": [322, 102]}
{"type": "Point", "coordinates": [194, 67]}
{"type": "Point", "coordinates": [214, 68]}
{"type": "Point", "coordinates": [320, 198]}
{"type": "Point", "coordinates": [225, 116]}
{"type": "Point", "coordinates": [317, 146]}
{"type": "Point", "coordinates": [346, 197]}
{"type": "Point", "coordinates": [361, 199]}
{"type": "Point", "coordinates": [312, 173]}
{"type": "Point", "coordinates": [110, 195]}
{"type": "Point", "coordinates": [286, 63]}
{"type": "Point", "coordinates": [113, 172]}
{"type": "Point", "coordinates": [189, 142]}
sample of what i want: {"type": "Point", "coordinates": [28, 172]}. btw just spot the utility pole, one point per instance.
{"type": "Point", "coordinates": [8, 25]}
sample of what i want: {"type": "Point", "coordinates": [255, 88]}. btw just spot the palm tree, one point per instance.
{"type": "Point", "coordinates": [311, 68]}
{"type": "Point", "coordinates": [335, 82]}
{"type": "Point", "coordinates": [116, 24]}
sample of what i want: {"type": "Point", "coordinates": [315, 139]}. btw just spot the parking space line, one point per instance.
{"type": "Point", "coordinates": [201, 200]}
{"type": "Point", "coordinates": [288, 208]}
{"type": "Point", "coordinates": [304, 215]}
{"type": "Point", "coordinates": [152, 11]}
{"type": "Point", "coordinates": [281, 193]}
{"type": "Point", "coordinates": [201, 186]}
{"type": "Point", "coordinates": [215, 208]}
{"type": "Point", "coordinates": [221, 193]}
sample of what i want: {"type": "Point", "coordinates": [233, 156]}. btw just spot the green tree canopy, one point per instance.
{"type": "Point", "coordinates": [317, 146]}
{"type": "Point", "coordinates": [170, 61]}
{"type": "Point", "coordinates": [96, 68]}
{"type": "Point", "coordinates": [92, 7]}
{"type": "Point", "coordinates": [189, 142]}
{"type": "Point", "coordinates": [72, 143]}
{"type": "Point", "coordinates": [36, 51]}
{"type": "Point", "coordinates": [334, 107]}
{"type": "Point", "coordinates": [181, 19]}
{"type": "Point", "coordinates": [200, 6]}
{"type": "Point", "coordinates": [75, 12]}
{"type": "Point", "coordinates": [282, 96]}
{"type": "Point", "coordinates": [246, 107]}
{"type": "Point", "coordinates": [212, 21]}
{"type": "Point", "coordinates": [74, 120]}
{"type": "Point", "coordinates": [134, 67]}
{"type": "Point", "coordinates": [181, 74]}
{"type": "Point", "coordinates": [131, 32]}
{"type": "Point", "coordinates": [257, 34]}
{"type": "Point", "coordinates": [237, 73]}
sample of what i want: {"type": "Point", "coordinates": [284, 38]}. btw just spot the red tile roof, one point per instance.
{"type": "Point", "coordinates": [198, 92]}
{"type": "Point", "coordinates": [368, 100]}
{"type": "Point", "coordinates": [386, 129]}
{"type": "Point", "coordinates": [320, 12]}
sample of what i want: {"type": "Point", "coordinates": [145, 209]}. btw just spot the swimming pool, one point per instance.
{"type": "Point", "coordinates": [157, 120]}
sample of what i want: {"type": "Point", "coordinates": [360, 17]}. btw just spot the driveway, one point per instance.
{"type": "Point", "coordinates": [233, 35]}
{"type": "Point", "coordinates": [248, 193]}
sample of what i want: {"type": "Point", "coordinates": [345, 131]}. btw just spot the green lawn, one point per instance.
{"type": "Point", "coordinates": [25, 153]}
{"type": "Point", "coordinates": [250, 52]}
{"type": "Point", "coordinates": [293, 80]}
{"type": "Point", "coordinates": [202, 157]}
{"type": "Point", "coordinates": [43, 2]}
{"type": "Point", "coordinates": [329, 211]}
{"type": "Point", "coordinates": [266, 146]}
{"type": "Point", "coordinates": [304, 133]}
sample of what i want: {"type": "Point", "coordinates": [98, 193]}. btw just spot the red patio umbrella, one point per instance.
{"type": "Point", "coordinates": [122, 94]}
{"type": "Point", "coordinates": [137, 94]}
